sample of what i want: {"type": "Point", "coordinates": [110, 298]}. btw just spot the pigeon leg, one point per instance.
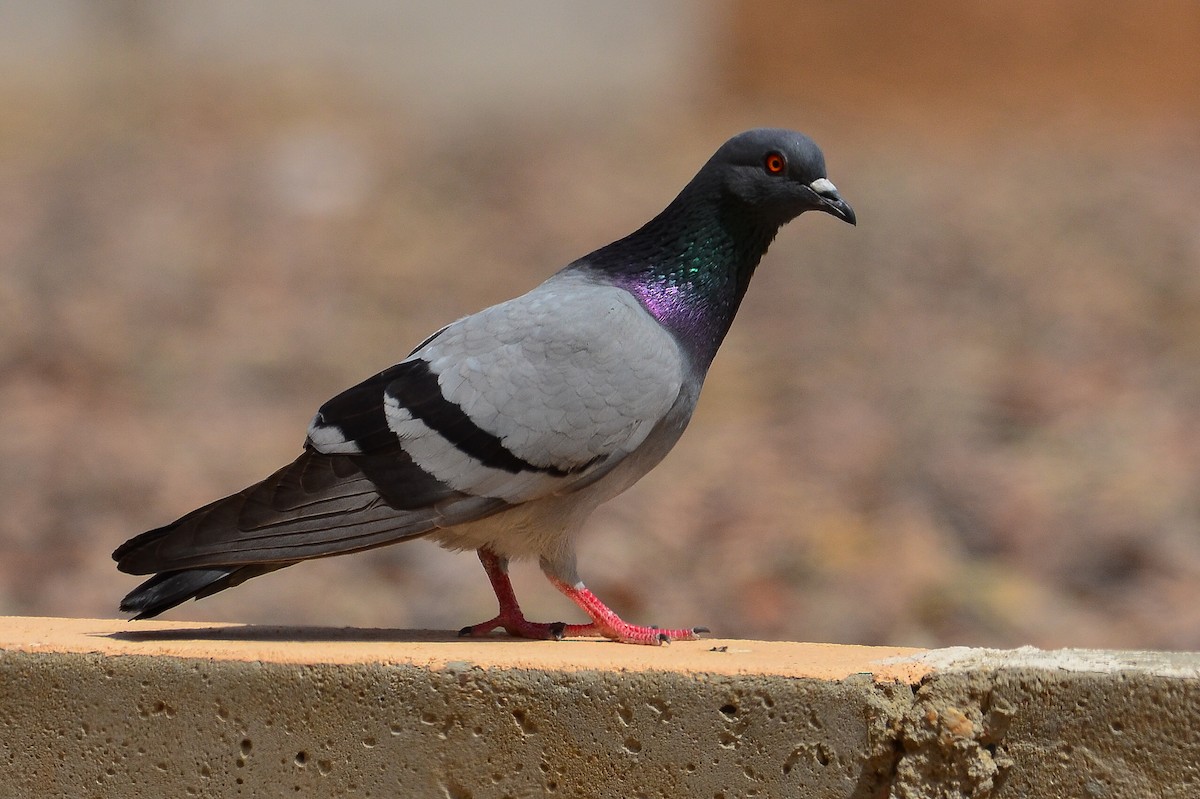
{"type": "Point", "coordinates": [510, 617]}
{"type": "Point", "coordinates": [610, 625]}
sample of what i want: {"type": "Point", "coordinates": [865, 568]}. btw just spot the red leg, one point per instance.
{"type": "Point", "coordinates": [610, 625]}
{"type": "Point", "coordinates": [510, 618]}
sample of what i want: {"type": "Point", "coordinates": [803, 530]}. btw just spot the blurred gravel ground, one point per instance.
{"type": "Point", "coordinates": [971, 420]}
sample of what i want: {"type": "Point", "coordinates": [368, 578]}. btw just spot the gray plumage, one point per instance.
{"type": "Point", "coordinates": [505, 429]}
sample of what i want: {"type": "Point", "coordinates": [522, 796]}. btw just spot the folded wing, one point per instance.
{"type": "Point", "coordinates": [532, 397]}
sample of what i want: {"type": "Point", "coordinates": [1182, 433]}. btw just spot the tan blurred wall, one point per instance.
{"type": "Point", "coordinates": [1118, 59]}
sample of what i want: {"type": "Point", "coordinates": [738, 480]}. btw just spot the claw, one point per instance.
{"type": "Point", "coordinates": [604, 622]}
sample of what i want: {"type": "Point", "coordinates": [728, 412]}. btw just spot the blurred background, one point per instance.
{"type": "Point", "coordinates": [974, 419]}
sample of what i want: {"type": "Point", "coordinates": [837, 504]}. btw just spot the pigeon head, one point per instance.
{"type": "Point", "coordinates": [690, 265]}
{"type": "Point", "coordinates": [774, 175]}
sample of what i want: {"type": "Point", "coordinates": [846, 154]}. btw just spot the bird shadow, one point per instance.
{"type": "Point", "coordinates": [279, 633]}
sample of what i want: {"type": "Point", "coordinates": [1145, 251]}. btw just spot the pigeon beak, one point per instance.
{"type": "Point", "coordinates": [831, 202]}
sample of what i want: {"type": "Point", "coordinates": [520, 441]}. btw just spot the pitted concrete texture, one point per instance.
{"type": "Point", "coordinates": [104, 708]}
{"type": "Point", "coordinates": [1026, 722]}
{"type": "Point", "coordinates": [107, 708]}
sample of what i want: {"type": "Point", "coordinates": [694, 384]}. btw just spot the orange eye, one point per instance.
{"type": "Point", "coordinates": [775, 163]}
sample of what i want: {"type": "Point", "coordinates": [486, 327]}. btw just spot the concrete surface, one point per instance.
{"type": "Point", "coordinates": [107, 708]}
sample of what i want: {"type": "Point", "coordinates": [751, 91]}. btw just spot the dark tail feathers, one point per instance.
{"type": "Point", "coordinates": [165, 590]}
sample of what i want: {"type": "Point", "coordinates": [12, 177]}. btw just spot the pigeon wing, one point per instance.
{"type": "Point", "coordinates": [536, 396]}
{"type": "Point", "coordinates": [527, 398]}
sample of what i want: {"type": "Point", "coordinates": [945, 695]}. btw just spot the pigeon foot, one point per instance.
{"type": "Point", "coordinates": [510, 618]}
{"type": "Point", "coordinates": [607, 623]}
{"type": "Point", "coordinates": [517, 625]}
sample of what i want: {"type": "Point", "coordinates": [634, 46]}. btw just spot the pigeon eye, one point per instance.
{"type": "Point", "coordinates": [775, 163]}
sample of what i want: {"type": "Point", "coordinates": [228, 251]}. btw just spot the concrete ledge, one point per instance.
{"type": "Point", "coordinates": [107, 708]}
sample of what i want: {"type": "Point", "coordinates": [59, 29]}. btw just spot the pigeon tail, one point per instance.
{"type": "Point", "coordinates": [165, 590]}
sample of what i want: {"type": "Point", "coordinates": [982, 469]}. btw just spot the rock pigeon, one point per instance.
{"type": "Point", "coordinates": [503, 431]}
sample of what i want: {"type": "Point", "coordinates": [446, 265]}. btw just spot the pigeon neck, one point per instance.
{"type": "Point", "coordinates": [690, 266]}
